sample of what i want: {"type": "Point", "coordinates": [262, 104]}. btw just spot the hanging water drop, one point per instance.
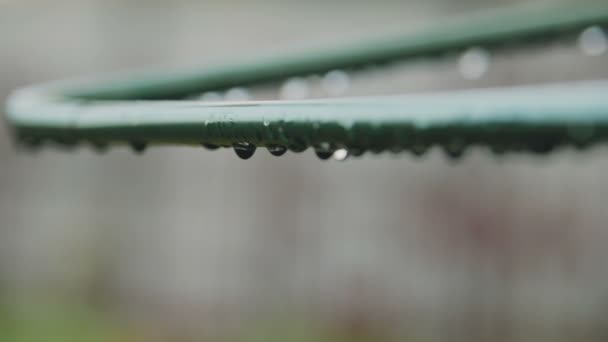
{"type": "Point", "coordinates": [593, 41]}
{"type": "Point", "coordinates": [498, 148]}
{"type": "Point", "coordinates": [323, 155]}
{"type": "Point", "coordinates": [99, 147]}
{"type": "Point", "coordinates": [212, 96]}
{"type": "Point", "coordinates": [581, 134]}
{"type": "Point", "coordinates": [295, 88]}
{"type": "Point", "coordinates": [237, 94]}
{"type": "Point", "coordinates": [455, 148]}
{"type": "Point", "coordinates": [31, 144]}
{"type": "Point", "coordinates": [277, 150]}
{"type": "Point", "coordinates": [340, 154]}
{"type": "Point", "coordinates": [418, 149]}
{"type": "Point", "coordinates": [297, 146]}
{"type": "Point", "coordinates": [541, 146]}
{"type": "Point", "coordinates": [324, 151]}
{"type": "Point", "coordinates": [244, 150]}
{"type": "Point", "coordinates": [209, 146]}
{"type": "Point", "coordinates": [356, 151]}
{"type": "Point", "coordinates": [138, 146]}
{"type": "Point", "coordinates": [474, 63]}
{"type": "Point", "coordinates": [335, 83]}
{"type": "Point", "coordinates": [66, 143]}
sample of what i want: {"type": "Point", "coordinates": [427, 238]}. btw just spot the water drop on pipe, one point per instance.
{"type": "Point", "coordinates": [324, 151]}
{"type": "Point", "coordinates": [31, 144]}
{"type": "Point", "coordinates": [244, 150]}
{"type": "Point", "coordinates": [593, 41]}
{"type": "Point", "coordinates": [336, 83]}
{"type": "Point", "coordinates": [581, 134]}
{"type": "Point", "coordinates": [455, 148]}
{"type": "Point", "coordinates": [474, 63]}
{"type": "Point", "coordinates": [99, 147]}
{"type": "Point", "coordinates": [323, 155]}
{"type": "Point", "coordinates": [418, 149]}
{"type": "Point", "coordinates": [297, 147]}
{"type": "Point", "coordinates": [295, 88]}
{"type": "Point", "coordinates": [340, 154]}
{"type": "Point", "coordinates": [209, 146]}
{"type": "Point", "coordinates": [356, 151]}
{"type": "Point", "coordinates": [212, 96]}
{"type": "Point", "coordinates": [138, 146]}
{"type": "Point", "coordinates": [277, 150]}
{"type": "Point", "coordinates": [237, 94]}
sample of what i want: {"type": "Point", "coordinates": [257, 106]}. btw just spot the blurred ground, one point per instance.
{"type": "Point", "coordinates": [186, 244]}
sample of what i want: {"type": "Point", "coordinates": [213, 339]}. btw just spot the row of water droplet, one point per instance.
{"type": "Point", "coordinates": [333, 84]}
{"type": "Point", "coordinates": [324, 151]}
{"type": "Point", "coordinates": [246, 150]}
{"type": "Point", "coordinates": [473, 64]}
{"type": "Point", "coordinates": [454, 149]}
{"type": "Point", "coordinates": [579, 136]}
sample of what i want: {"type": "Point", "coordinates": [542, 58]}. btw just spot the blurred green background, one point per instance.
{"type": "Point", "coordinates": [183, 244]}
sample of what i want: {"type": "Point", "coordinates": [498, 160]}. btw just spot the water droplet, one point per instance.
{"type": "Point", "coordinates": [592, 41]}
{"type": "Point", "coordinates": [541, 146]}
{"type": "Point", "coordinates": [324, 151]}
{"type": "Point", "coordinates": [336, 83]}
{"type": "Point", "coordinates": [356, 151]}
{"type": "Point", "coordinates": [138, 146]}
{"type": "Point", "coordinates": [418, 149]}
{"type": "Point", "coordinates": [295, 88]}
{"type": "Point", "coordinates": [474, 63]}
{"type": "Point", "coordinates": [66, 143]}
{"type": "Point", "coordinates": [396, 149]}
{"type": "Point", "coordinates": [266, 123]}
{"type": "Point", "coordinates": [210, 147]}
{"type": "Point", "coordinates": [498, 148]}
{"type": "Point", "coordinates": [237, 94]}
{"type": "Point", "coordinates": [340, 154]}
{"type": "Point", "coordinates": [516, 147]}
{"type": "Point", "coordinates": [581, 133]}
{"type": "Point", "coordinates": [323, 155]}
{"type": "Point", "coordinates": [212, 96]}
{"type": "Point", "coordinates": [244, 150]}
{"type": "Point", "coordinates": [455, 148]}
{"type": "Point", "coordinates": [99, 147]}
{"type": "Point", "coordinates": [297, 146]}
{"type": "Point", "coordinates": [31, 144]}
{"type": "Point", "coordinates": [277, 150]}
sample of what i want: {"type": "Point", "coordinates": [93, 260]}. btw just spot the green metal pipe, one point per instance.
{"type": "Point", "coordinates": [138, 109]}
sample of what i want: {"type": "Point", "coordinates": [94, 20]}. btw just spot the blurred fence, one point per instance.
{"type": "Point", "coordinates": [189, 241]}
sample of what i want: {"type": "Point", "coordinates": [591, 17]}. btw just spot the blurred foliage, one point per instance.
{"type": "Point", "coordinates": [57, 323]}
